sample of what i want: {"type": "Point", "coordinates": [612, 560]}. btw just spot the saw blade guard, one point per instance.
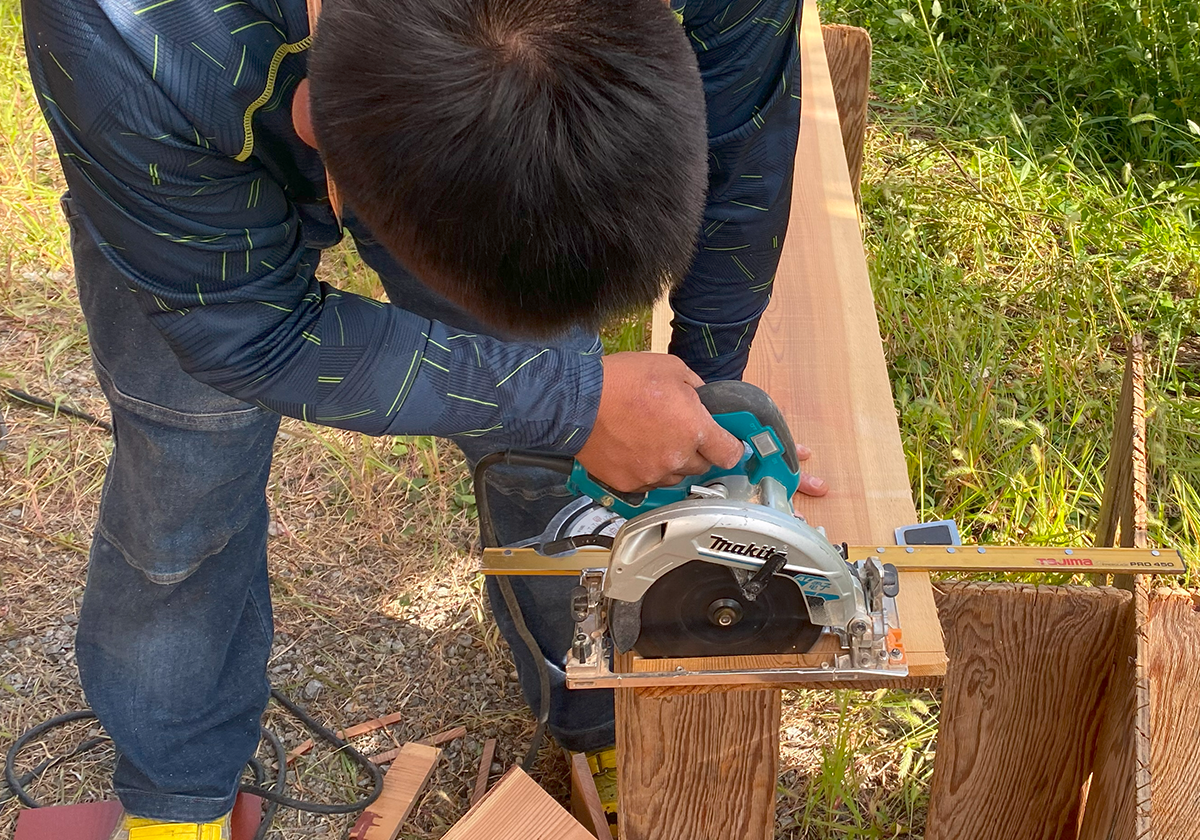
{"type": "Point", "coordinates": [741, 535]}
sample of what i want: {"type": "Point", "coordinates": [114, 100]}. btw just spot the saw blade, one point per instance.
{"type": "Point", "coordinates": [698, 610]}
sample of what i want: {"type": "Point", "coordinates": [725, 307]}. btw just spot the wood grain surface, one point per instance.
{"type": "Point", "coordinates": [402, 786]}
{"type": "Point", "coordinates": [1173, 645]}
{"type": "Point", "coordinates": [848, 49]}
{"type": "Point", "coordinates": [517, 809]}
{"type": "Point", "coordinates": [585, 799]}
{"type": "Point", "coordinates": [1022, 706]}
{"type": "Point", "coordinates": [698, 766]}
{"type": "Point", "coordinates": [1110, 800]}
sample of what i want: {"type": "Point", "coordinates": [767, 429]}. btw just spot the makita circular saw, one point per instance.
{"type": "Point", "coordinates": [716, 566]}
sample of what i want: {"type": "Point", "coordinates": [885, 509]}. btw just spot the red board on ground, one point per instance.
{"type": "Point", "coordinates": [96, 820]}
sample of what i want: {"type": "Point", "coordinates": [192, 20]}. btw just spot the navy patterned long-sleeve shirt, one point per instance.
{"type": "Point", "coordinates": [172, 120]}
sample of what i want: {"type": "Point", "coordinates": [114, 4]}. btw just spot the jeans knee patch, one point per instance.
{"type": "Point", "coordinates": [175, 495]}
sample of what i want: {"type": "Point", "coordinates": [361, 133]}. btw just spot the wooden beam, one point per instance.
{"type": "Point", "coordinates": [402, 785]}
{"type": "Point", "coordinates": [848, 49]}
{"type": "Point", "coordinates": [1023, 706]}
{"type": "Point", "coordinates": [704, 766]}
{"type": "Point", "coordinates": [517, 809]}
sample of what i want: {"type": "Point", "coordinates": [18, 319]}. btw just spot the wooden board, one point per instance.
{"type": "Point", "coordinates": [96, 820]}
{"type": "Point", "coordinates": [819, 355]}
{"type": "Point", "coordinates": [1023, 706]}
{"type": "Point", "coordinates": [402, 785]}
{"type": "Point", "coordinates": [1109, 801]}
{"type": "Point", "coordinates": [1173, 666]}
{"type": "Point", "coordinates": [1116, 802]}
{"type": "Point", "coordinates": [703, 766]}
{"type": "Point", "coordinates": [585, 799]}
{"type": "Point", "coordinates": [517, 809]}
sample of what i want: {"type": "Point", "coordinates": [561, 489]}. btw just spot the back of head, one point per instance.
{"type": "Point", "coordinates": [540, 162]}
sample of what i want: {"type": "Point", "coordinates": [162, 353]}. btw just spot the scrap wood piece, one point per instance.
{"type": "Point", "coordinates": [585, 799]}
{"type": "Point", "coordinates": [429, 741]}
{"type": "Point", "coordinates": [444, 737]}
{"type": "Point", "coordinates": [1023, 706]}
{"type": "Point", "coordinates": [1173, 672]}
{"type": "Point", "coordinates": [485, 770]}
{"type": "Point", "coordinates": [402, 784]}
{"type": "Point", "coordinates": [517, 809]}
{"type": "Point", "coordinates": [351, 732]}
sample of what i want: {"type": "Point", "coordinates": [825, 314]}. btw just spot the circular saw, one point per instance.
{"type": "Point", "coordinates": [720, 565]}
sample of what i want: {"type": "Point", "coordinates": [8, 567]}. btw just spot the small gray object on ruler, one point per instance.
{"type": "Point", "coordinates": [942, 532]}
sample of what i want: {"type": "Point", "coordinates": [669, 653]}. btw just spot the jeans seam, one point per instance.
{"type": "Point", "coordinates": [153, 577]}
{"type": "Point", "coordinates": [196, 421]}
{"type": "Point", "coordinates": [267, 631]}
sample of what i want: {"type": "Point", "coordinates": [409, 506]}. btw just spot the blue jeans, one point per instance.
{"type": "Point", "coordinates": [175, 628]}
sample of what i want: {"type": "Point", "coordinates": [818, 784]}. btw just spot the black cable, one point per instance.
{"type": "Point", "coordinates": [274, 795]}
{"type": "Point", "coordinates": [38, 402]}
{"type": "Point", "coordinates": [539, 660]}
{"type": "Point", "coordinates": [10, 773]}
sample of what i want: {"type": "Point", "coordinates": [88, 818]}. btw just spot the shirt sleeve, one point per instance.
{"type": "Point", "coordinates": [749, 62]}
{"type": "Point", "coordinates": [215, 251]}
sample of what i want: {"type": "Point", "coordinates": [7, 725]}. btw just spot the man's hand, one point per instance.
{"type": "Point", "coordinates": [810, 485]}
{"type": "Point", "coordinates": [651, 430]}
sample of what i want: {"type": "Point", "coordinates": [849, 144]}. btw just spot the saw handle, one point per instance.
{"type": "Point", "coordinates": [745, 411]}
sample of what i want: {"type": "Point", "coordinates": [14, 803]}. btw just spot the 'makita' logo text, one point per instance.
{"type": "Point", "coordinates": [759, 552]}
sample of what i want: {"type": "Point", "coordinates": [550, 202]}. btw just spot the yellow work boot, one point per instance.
{"type": "Point", "coordinates": [603, 764]}
{"type": "Point", "coordinates": [130, 827]}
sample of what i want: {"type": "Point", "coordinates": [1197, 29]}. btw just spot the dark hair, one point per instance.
{"type": "Point", "coordinates": [540, 162]}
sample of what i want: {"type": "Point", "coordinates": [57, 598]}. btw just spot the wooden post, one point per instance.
{"type": "Point", "coordinates": [848, 49]}
{"type": "Point", "coordinates": [1173, 732]}
{"type": "Point", "coordinates": [1024, 702]}
{"type": "Point", "coordinates": [705, 766]}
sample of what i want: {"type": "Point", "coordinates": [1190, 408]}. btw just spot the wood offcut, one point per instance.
{"type": "Point", "coordinates": [402, 786]}
{"type": "Point", "coordinates": [517, 809]}
{"type": "Point", "coordinates": [585, 799]}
